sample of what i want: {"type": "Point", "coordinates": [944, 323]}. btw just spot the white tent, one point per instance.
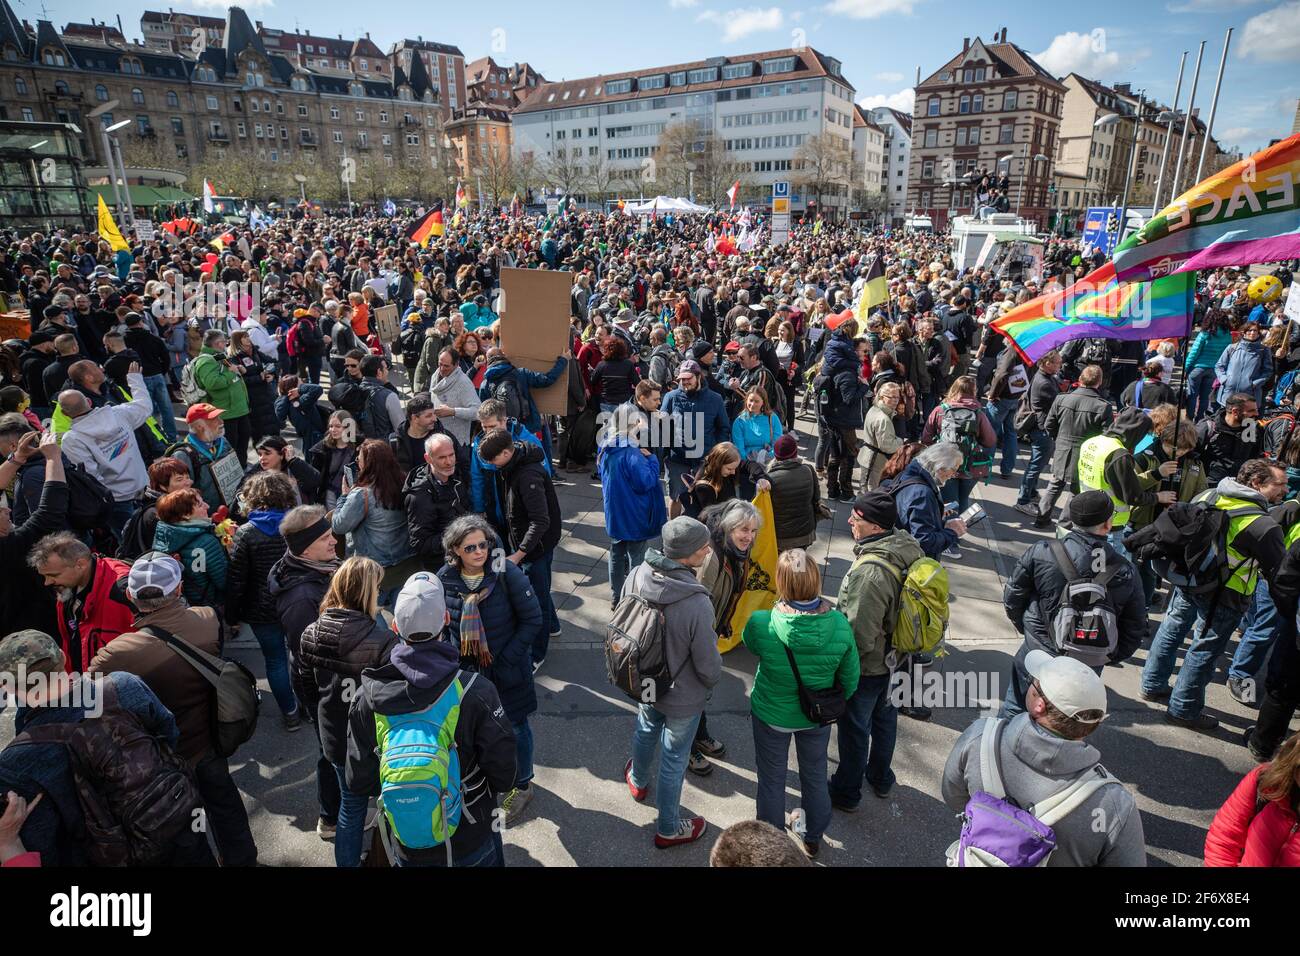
{"type": "Point", "coordinates": [661, 205]}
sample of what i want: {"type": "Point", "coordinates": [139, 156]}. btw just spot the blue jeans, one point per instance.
{"type": "Point", "coordinates": [489, 854]}
{"type": "Point", "coordinates": [270, 636]}
{"type": "Point", "coordinates": [539, 576]}
{"type": "Point", "coordinates": [162, 404]}
{"type": "Point", "coordinates": [1039, 455]}
{"type": "Point", "coordinates": [1116, 540]}
{"type": "Point", "coordinates": [1186, 611]}
{"type": "Point", "coordinates": [1200, 388]}
{"type": "Point", "coordinates": [676, 734]}
{"type": "Point", "coordinates": [623, 557]}
{"type": "Point", "coordinates": [1258, 629]}
{"type": "Point", "coordinates": [388, 597]}
{"type": "Point", "coordinates": [523, 753]}
{"type": "Point", "coordinates": [772, 757]}
{"type": "Point", "coordinates": [120, 515]}
{"type": "Point", "coordinates": [1002, 414]}
{"type": "Point", "coordinates": [868, 732]}
{"type": "Point", "coordinates": [351, 825]}
{"type": "Point", "coordinates": [957, 491]}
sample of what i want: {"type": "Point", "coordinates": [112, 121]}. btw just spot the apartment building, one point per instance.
{"type": "Point", "coordinates": [897, 146]}
{"type": "Point", "coordinates": [444, 65]}
{"type": "Point", "coordinates": [868, 154]}
{"type": "Point", "coordinates": [490, 84]}
{"type": "Point", "coordinates": [760, 107]}
{"type": "Point", "coordinates": [238, 95]}
{"type": "Point", "coordinates": [480, 136]}
{"type": "Point", "coordinates": [173, 32]}
{"type": "Point", "coordinates": [990, 107]}
{"type": "Point", "coordinates": [1090, 159]}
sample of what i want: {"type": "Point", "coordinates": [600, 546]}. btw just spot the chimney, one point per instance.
{"type": "Point", "coordinates": [1004, 34]}
{"type": "Point", "coordinates": [965, 44]}
{"type": "Point", "coordinates": [259, 25]}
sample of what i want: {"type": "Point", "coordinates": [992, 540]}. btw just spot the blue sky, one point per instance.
{"type": "Point", "coordinates": [880, 42]}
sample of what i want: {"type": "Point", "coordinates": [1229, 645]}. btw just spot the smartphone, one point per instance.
{"type": "Point", "coordinates": [350, 475]}
{"type": "Point", "coordinates": [973, 515]}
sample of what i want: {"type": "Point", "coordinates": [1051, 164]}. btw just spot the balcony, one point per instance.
{"type": "Point", "coordinates": [307, 139]}
{"type": "Point", "coordinates": [218, 136]}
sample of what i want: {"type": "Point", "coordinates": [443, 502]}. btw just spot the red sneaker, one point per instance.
{"type": "Point", "coordinates": [688, 831]}
{"type": "Point", "coordinates": [638, 793]}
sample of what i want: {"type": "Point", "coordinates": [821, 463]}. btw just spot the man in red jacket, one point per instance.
{"type": "Point", "coordinates": [93, 607]}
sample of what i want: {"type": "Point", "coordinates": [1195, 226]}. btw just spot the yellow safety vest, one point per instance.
{"type": "Point", "coordinates": [1246, 576]}
{"type": "Point", "coordinates": [1093, 455]}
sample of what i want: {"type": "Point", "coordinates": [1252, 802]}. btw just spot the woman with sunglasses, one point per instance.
{"type": "Point", "coordinates": [495, 618]}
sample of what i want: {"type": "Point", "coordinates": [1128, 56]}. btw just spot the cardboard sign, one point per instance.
{"type": "Point", "coordinates": [227, 473]}
{"type": "Point", "coordinates": [388, 323]}
{"type": "Point", "coordinates": [144, 230]}
{"type": "Point", "coordinates": [534, 309]}
{"type": "Point", "coordinates": [1292, 307]}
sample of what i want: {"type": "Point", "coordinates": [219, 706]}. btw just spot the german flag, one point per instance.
{"type": "Point", "coordinates": [429, 227]}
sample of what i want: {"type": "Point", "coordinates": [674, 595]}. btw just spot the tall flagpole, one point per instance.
{"type": "Point", "coordinates": [1191, 102]}
{"type": "Point", "coordinates": [1214, 104]}
{"type": "Point", "coordinates": [1169, 134]}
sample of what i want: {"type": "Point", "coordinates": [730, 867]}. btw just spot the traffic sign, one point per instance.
{"type": "Point", "coordinates": [781, 190]}
{"type": "Point", "coordinates": [780, 228]}
{"type": "Point", "coordinates": [780, 205]}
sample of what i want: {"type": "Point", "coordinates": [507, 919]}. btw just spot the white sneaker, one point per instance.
{"type": "Point", "coordinates": [954, 553]}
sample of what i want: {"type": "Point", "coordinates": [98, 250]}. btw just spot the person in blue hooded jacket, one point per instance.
{"type": "Point", "coordinates": [499, 367]}
{"type": "Point", "coordinates": [482, 494]}
{"type": "Point", "coordinates": [634, 501]}
{"type": "Point", "coordinates": [699, 418]}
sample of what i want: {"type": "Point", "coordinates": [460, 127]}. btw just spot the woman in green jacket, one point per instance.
{"type": "Point", "coordinates": [222, 383]}
{"type": "Point", "coordinates": [185, 531]}
{"type": "Point", "coordinates": [802, 624]}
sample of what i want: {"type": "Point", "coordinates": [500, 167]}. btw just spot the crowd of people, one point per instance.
{"type": "Point", "coordinates": [196, 442]}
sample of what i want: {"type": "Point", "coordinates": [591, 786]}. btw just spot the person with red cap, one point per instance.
{"type": "Point", "coordinates": [202, 448]}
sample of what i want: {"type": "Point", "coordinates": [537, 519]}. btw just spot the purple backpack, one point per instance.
{"type": "Point", "coordinates": [996, 831]}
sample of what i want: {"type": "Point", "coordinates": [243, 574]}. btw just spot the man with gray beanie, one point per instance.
{"type": "Point", "coordinates": [1075, 597]}
{"type": "Point", "coordinates": [666, 581]}
{"type": "Point", "coordinates": [410, 701]}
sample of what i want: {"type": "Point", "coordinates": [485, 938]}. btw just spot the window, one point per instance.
{"type": "Point", "coordinates": [963, 104]}
{"type": "Point", "coordinates": [365, 67]}
{"type": "Point", "coordinates": [284, 132]}
{"type": "Point", "coordinates": [734, 71]}
{"type": "Point", "coordinates": [27, 115]}
{"type": "Point", "coordinates": [931, 137]}
{"type": "Point", "coordinates": [338, 136]}
{"type": "Point", "coordinates": [360, 115]}
{"type": "Point", "coordinates": [933, 107]}
{"type": "Point", "coordinates": [240, 128]}
{"type": "Point", "coordinates": [212, 102]}
{"type": "Point", "coordinates": [302, 109]}
{"type": "Point", "coordinates": [977, 103]}
{"type": "Point", "coordinates": [101, 93]}
{"type": "Point", "coordinates": [961, 135]}
{"type": "Point", "coordinates": [298, 83]}
{"type": "Point", "coordinates": [618, 86]}
{"type": "Point", "coordinates": [927, 169]}
{"type": "Point", "coordinates": [677, 79]}
{"type": "Point", "coordinates": [653, 82]}
{"type": "Point", "coordinates": [205, 74]}
{"type": "Point", "coordinates": [979, 74]}
{"type": "Point", "coordinates": [52, 57]}
{"type": "Point", "coordinates": [1005, 133]}
{"type": "Point", "coordinates": [252, 104]}
{"type": "Point", "coordinates": [142, 126]}
{"type": "Point", "coordinates": [60, 88]}
{"type": "Point", "coordinates": [925, 199]}
{"type": "Point", "coordinates": [178, 127]}
{"type": "Point", "coordinates": [334, 112]}
{"type": "Point", "coordinates": [386, 139]}
{"type": "Point", "coordinates": [279, 108]}
{"type": "Point", "coordinates": [383, 116]}
{"type": "Point", "coordinates": [1009, 100]}
{"type": "Point", "coordinates": [705, 75]}
{"type": "Point", "coordinates": [782, 64]}
{"type": "Point", "coordinates": [968, 76]}
{"type": "Point", "coordinates": [20, 86]}
{"type": "Point", "coordinates": [974, 138]}
{"type": "Point", "coordinates": [362, 139]}
{"type": "Point", "coordinates": [172, 99]}
{"type": "Point", "coordinates": [356, 89]}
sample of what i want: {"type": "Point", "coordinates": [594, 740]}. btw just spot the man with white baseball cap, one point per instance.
{"type": "Point", "coordinates": [423, 677]}
{"type": "Point", "coordinates": [1044, 750]}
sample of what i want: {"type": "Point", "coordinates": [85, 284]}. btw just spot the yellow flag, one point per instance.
{"type": "Point", "coordinates": [760, 581]}
{"type": "Point", "coordinates": [875, 291]}
{"type": "Point", "coordinates": [108, 230]}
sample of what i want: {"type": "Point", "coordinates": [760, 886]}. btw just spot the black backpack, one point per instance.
{"type": "Point", "coordinates": [90, 504]}
{"type": "Point", "coordinates": [352, 398]}
{"type": "Point", "coordinates": [508, 393]}
{"type": "Point", "coordinates": [1187, 544]}
{"type": "Point", "coordinates": [133, 543]}
{"type": "Point", "coordinates": [410, 343]}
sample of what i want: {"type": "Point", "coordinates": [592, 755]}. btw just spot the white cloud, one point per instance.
{"type": "Point", "coordinates": [744, 21]}
{"type": "Point", "coordinates": [1235, 133]}
{"type": "Point", "coordinates": [903, 101]}
{"type": "Point", "coordinates": [889, 77]}
{"type": "Point", "coordinates": [682, 4]}
{"type": "Point", "coordinates": [1273, 35]}
{"type": "Point", "coordinates": [1209, 6]}
{"type": "Point", "coordinates": [870, 9]}
{"type": "Point", "coordinates": [1078, 53]}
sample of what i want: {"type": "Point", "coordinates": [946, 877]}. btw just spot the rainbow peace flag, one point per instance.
{"type": "Point", "coordinates": [1099, 306]}
{"type": "Point", "coordinates": [1249, 212]}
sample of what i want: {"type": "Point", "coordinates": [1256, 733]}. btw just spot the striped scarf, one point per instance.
{"type": "Point", "coordinates": [473, 641]}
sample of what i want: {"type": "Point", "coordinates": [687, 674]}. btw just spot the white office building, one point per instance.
{"type": "Point", "coordinates": [898, 157]}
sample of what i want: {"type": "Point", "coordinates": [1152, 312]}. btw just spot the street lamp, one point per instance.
{"type": "Point", "coordinates": [1108, 120]}
{"type": "Point", "coordinates": [301, 180]}
{"type": "Point", "coordinates": [113, 150]}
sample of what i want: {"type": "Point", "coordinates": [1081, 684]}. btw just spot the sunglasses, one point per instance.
{"type": "Point", "coordinates": [474, 548]}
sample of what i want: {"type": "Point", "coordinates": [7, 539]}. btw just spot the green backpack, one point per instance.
{"type": "Point", "coordinates": [420, 789]}
{"type": "Point", "coordinates": [922, 606]}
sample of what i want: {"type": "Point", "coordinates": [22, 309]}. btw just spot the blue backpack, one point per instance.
{"type": "Point", "coordinates": [1284, 386]}
{"type": "Point", "coordinates": [996, 831]}
{"type": "Point", "coordinates": [420, 789]}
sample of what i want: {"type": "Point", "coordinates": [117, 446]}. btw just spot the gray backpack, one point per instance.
{"type": "Point", "coordinates": [1085, 625]}
{"type": "Point", "coordinates": [635, 653]}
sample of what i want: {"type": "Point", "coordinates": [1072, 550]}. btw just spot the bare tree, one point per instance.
{"type": "Point", "coordinates": [824, 166]}
{"type": "Point", "coordinates": [601, 178]}
{"type": "Point", "coordinates": [692, 161]}
{"type": "Point", "coordinates": [528, 175]}
{"type": "Point", "coordinates": [564, 170]}
{"type": "Point", "coordinates": [495, 171]}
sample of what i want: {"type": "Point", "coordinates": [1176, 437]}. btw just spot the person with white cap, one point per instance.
{"type": "Point", "coordinates": [155, 587]}
{"type": "Point", "coordinates": [1043, 751]}
{"type": "Point", "coordinates": [418, 690]}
